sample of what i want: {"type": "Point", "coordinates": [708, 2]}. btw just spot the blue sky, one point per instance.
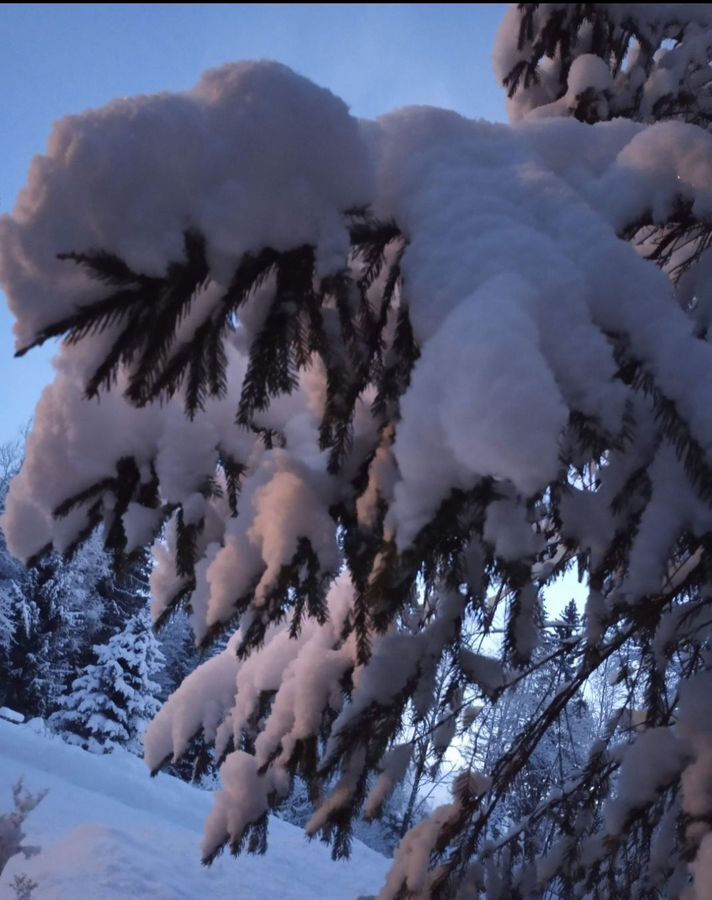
{"type": "Point", "coordinates": [65, 59]}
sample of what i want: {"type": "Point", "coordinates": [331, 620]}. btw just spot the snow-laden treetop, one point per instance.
{"type": "Point", "coordinates": [599, 60]}
{"type": "Point", "coordinates": [299, 344]}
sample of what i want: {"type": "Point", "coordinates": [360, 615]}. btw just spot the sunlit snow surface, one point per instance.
{"type": "Point", "coordinates": [109, 832]}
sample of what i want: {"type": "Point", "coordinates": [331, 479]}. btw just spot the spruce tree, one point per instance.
{"type": "Point", "coordinates": [112, 701]}
{"type": "Point", "coordinates": [15, 616]}
{"type": "Point", "coordinates": [40, 629]}
{"type": "Point", "coordinates": [369, 389]}
{"type": "Point", "coordinates": [52, 615]}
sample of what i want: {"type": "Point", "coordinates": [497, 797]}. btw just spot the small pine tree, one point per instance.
{"type": "Point", "coordinates": [111, 702]}
{"type": "Point", "coordinates": [12, 834]}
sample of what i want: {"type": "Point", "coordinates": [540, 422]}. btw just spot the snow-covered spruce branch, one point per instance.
{"type": "Point", "coordinates": [596, 61]}
{"type": "Point", "coordinates": [458, 841]}
{"type": "Point", "coordinates": [347, 395]}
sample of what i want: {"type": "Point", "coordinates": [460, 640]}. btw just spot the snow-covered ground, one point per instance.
{"type": "Point", "coordinates": [110, 832]}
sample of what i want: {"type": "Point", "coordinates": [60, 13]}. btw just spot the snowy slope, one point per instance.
{"type": "Point", "coordinates": [110, 832]}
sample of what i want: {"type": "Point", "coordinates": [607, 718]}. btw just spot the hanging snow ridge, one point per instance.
{"type": "Point", "coordinates": [484, 671]}
{"type": "Point", "coordinates": [253, 156]}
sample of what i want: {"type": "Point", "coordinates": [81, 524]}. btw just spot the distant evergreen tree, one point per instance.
{"type": "Point", "coordinates": [18, 619]}
{"type": "Point", "coordinates": [122, 591]}
{"type": "Point", "coordinates": [114, 698]}
{"type": "Point", "coordinates": [14, 612]}
{"type": "Point", "coordinates": [52, 614]}
{"type": "Point", "coordinates": [7, 627]}
{"type": "Point", "coordinates": [561, 752]}
{"type": "Point", "coordinates": [39, 659]}
{"type": "Point", "coordinates": [180, 652]}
